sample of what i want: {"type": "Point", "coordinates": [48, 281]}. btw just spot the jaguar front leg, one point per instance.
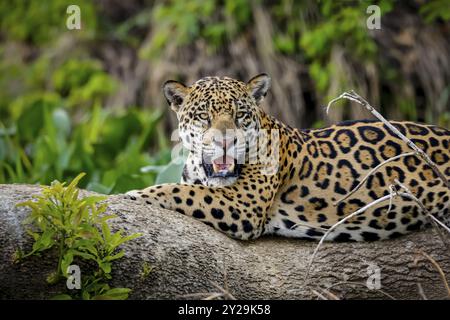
{"type": "Point", "coordinates": [235, 213]}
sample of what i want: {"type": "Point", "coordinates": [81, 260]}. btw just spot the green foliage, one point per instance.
{"type": "Point", "coordinates": [180, 22]}
{"type": "Point", "coordinates": [46, 143]}
{"type": "Point", "coordinates": [78, 228]}
{"type": "Point", "coordinates": [146, 270]}
{"type": "Point", "coordinates": [343, 25]}
{"type": "Point", "coordinates": [82, 81]}
{"type": "Point", "coordinates": [53, 119]}
{"type": "Point", "coordinates": [49, 135]}
{"type": "Point", "coordinates": [40, 21]}
{"type": "Point", "coordinates": [169, 173]}
{"type": "Point", "coordinates": [435, 9]}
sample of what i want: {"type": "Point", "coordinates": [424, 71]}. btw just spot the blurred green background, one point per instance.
{"type": "Point", "coordinates": [90, 100]}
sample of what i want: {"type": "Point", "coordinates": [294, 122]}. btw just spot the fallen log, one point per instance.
{"type": "Point", "coordinates": [192, 260]}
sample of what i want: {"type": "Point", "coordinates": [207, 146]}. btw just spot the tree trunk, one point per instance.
{"type": "Point", "coordinates": [190, 258]}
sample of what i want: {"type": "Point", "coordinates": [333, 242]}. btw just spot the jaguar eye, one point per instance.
{"type": "Point", "coordinates": [240, 114]}
{"type": "Point", "coordinates": [203, 116]}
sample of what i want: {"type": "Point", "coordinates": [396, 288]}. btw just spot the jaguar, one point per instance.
{"type": "Point", "coordinates": [248, 174]}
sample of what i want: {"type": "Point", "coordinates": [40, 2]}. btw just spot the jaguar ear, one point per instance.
{"type": "Point", "coordinates": [175, 92]}
{"type": "Point", "coordinates": [258, 86]}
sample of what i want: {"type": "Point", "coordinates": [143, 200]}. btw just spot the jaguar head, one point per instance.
{"type": "Point", "coordinates": [217, 116]}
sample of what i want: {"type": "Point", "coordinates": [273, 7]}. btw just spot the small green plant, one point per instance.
{"type": "Point", "coordinates": [146, 270]}
{"type": "Point", "coordinates": [78, 228]}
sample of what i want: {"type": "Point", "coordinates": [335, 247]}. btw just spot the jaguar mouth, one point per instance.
{"type": "Point", "coordinates": [222, 167]}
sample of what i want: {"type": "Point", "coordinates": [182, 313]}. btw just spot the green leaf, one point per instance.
{"type": "Point", "coordinates": [53, 277]}
{"type": "Point", "coordinates": [130, 237]}
{"type": "Point", "coordinates": [116, 256]}
{"type": "Point", "coordinates": [61, 121]}
{"type": "Point", "coordinates": [45, 240]}
{"type": "Point", "coordinates": [98, 187]}
{"type": "Point", "coordinates": [105, 266]}
{"type": "Point", "coordinates": [70, 188]}
{"type": "Point", "coordinates": [114, 294]}
{"type": "Point", "coordinates": [66, 262]}
{"type": "Point", "coordinates": [61, 297]}
{"type": "Point", "coordinates": [91, 200]}
{"type": "Point", "coordinates": [128, 182]}
{"type": "Point", "coordinates": [85, 295]}
{"type": "Point", "coordinates": [171, 173]}
{"type": "Point", "coordinates": [106, 232]}
{"type": "Point", "coordinates": [84, 255]}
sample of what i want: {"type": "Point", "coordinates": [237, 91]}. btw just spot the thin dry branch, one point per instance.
{"type": "Point", "coordinates": [421, 292]}
{"type": "Point", "coordinates": [353, 96]}
{"type": "Point", "coordinates": [319, 295]}
{"type": "Point", "coordinates": [203, 295]}
{"type": "Point", "coordinates": [330, 294]}
{"type": "Point", "coordinates": [333, 227]}
{"type": "Point", "coordinates": [408, 194]}
{"type": "Point", "coordinates": [393, 192]}
{"type": "Point", "coordinates": [225, 293]}
{"type": "Point", "coordinates": [307, 226]}
{"type": "Point", "coordinates": [439, 269]}
{"type": "Point", "coordinates": [353, 283]}
{"type": "Point", "coordinates": [434, 221]}
{"type": "Point", "coordinates": [372, 172]}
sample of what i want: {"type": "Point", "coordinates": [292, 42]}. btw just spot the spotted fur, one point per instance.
{"type": "Point", "coordinates": [316, 168]}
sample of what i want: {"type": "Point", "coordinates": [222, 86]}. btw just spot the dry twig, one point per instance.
{"type": "Point", "coordinates": [438, 268]}
{"type": "Point", "coordinates": [330, 294]}
{"type": "Point", "coordinates": [372, 172]}
{"type": "Point", "coordinates": [333, 227]}
{"type": "Point", "coordinates": [390, 196]}
{"type": "Point", "coordinates": [359, 284]}
{"type": "Point", "coordinates": [353, 96]}
{"type": "Point", "coordinates": [319, 295]}
{"type": "Point", "coordinates": [421, 292]}
{"type": "Point", "coordinates": [225, 293]}
{"type": "Point", "coordinates": [198, 295]}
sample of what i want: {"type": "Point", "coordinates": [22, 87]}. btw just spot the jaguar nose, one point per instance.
{"type": "Point", "coordinates": [225, 143]}
{"type": "Point", "coordinates": [224, 160]}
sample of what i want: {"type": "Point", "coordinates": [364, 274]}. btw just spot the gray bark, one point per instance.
{"type": "Point", "coordinates": [189, 257]}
